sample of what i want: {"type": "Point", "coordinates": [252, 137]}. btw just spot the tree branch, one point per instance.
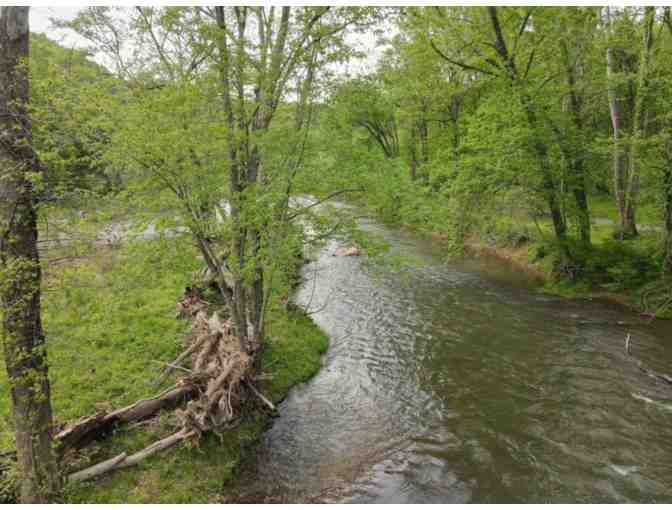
{"type": "Point", "coordinates": [459, 64]}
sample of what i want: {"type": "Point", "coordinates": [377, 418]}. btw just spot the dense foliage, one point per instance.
{"type": "Point", "coordinates": [504, 119]}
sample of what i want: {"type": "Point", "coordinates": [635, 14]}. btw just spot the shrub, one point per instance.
{"type": "Point", "coordinates": [614, 264]}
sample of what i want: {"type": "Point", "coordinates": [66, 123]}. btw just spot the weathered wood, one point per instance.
{"type": "Point", "coordinates": [90, 428]}
{"type": "Point", "coordinates": [97, 469]}
{"type": "Point", "coordinates": [178, 360]}
{"type": "Point", "coordinates": [261, 397]}
{"type": "Point", "coordinates": [124, 461]}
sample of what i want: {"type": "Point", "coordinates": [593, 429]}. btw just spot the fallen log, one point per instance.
{"type": "Point", "coordinates": [90, 428]}
{"type": "Point", "coordinates": [124, 461]}
{"type": "Point", "coordinates": [97, 469]}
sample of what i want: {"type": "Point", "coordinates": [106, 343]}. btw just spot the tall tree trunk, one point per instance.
{"type": "Point", "coordinates": [549, 186]}
{"type": "Point", "coordinates": [667, 180]}
{"type": "Point", "coordinates": [626, 227]}
{"type": "Point", "coordinates": [20, 277]}
{"type": "Point", "coordinates": [577, 153]}
{"type": "Point", "coordinates": [238, 315]}
{"type": "Point", "coordinates": [638, 125]}
{"type": "Point", "coordinates": [423, 132]}
{"type": "Point", "coordinates": [246, 183]}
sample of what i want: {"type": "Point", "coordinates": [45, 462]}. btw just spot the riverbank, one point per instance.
{"type": "Point", "coordinates": [519, 257]}
{"type": "Point", "coordinates": [110, 321]}
{"type": "Point", "coordinates": [627, 273]}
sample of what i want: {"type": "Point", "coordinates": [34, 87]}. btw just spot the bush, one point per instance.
{"type": "Point", "coordinates": [614, 264]}
{"type": "Point", "coordinates": [506, 233]}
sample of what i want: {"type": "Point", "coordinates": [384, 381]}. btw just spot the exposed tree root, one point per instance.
{"type": "Point", "coordinates": [213, 391]}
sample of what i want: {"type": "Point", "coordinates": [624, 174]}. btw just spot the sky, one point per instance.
{"type": "Point", "coordinates": [39, 22]}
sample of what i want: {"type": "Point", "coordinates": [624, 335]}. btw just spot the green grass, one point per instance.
{"type": "Point", "coordinates": [604, 206]}
{"type": "Point", "coordinates": [108, 320]}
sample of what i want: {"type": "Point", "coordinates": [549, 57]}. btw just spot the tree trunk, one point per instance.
{"type": "Point", "coordinates": [581, 198]}
{"type": "Point", "coordinates": [638, 125]}
{"type": "Point", "coordinates": [549, 186]}
{"type": "Point", "coordinates": [626, 228]}
{"type": "Point", "coordinates": [20, 279]}
{"type": "Point", "coordinates": [577, 154]}
{"type": "Point", "coordinates": [667, 183]}
{"type": "Point", "coordinates": [412, 147]}
{"type": "Point", "coordinates": [455, 105]}
{"type": "Point", "coordinates": [423, 132]}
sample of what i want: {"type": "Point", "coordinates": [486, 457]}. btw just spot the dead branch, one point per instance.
{"type": "Point", "coordinates": [124, 461]}
{"type": "Point", "coordinates": [261, 397]}
{"type": "Point", "coordinates": [177, 362]}
{"type": "Point", "coordinates": [97, 469]}
{"type": "Point", "coordinates": [90, 428]}
{"type": "Point", "coordinates": [174, 367]}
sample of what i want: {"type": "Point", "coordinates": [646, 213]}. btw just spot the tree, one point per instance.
{"type": "Point", "coordinates": [245, 62]}
{"type": "Point", "coordinates": [575, 27]}
{"type": "Point", "coordinates": [69, 96]}
{"type": "Point", "coordinates": [639, 120]}
{"type": "Point", "coordinates": [496, 55]}
{"type": "Point", "coordinates": [624, 98]}
{"type": "Point", "coordinates": [20, 278]}
{"type": "Point", "coordinates": [666, 148]}
{"type": "Point", "coordinates": [264, 52]}
{"type": "Point", "coordinates": [366, 104]}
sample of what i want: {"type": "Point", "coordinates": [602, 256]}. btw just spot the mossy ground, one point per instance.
{"type": "Point", "coordinates": [110, 322]}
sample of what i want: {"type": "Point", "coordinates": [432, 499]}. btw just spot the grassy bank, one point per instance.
{"type": "Point", "coordinates": [626, 272]}
{"type": "Point", "coordinates": [110, 321]}
{"type": "Point", "coordinates": [510, 227]}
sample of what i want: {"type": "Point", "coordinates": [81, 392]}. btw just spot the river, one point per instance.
{"type": "Point", "coordinates": [460, 382]}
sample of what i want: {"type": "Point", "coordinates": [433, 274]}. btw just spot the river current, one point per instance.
{"type": "Point", "coordinates": [460, 382]}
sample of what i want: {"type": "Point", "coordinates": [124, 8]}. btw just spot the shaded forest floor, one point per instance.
{"type": "Point", "coordinates": [110, 322]}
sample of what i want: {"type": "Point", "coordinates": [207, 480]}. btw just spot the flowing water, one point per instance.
{"type": "Point", "coordinates": [460, 382]}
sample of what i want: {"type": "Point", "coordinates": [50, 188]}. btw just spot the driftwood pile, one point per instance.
{"type": "Point", "coordinates": [207, 397]}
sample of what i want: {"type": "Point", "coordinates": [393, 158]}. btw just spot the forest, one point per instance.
{"type": "Point", "coordinates": [181, 189]}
